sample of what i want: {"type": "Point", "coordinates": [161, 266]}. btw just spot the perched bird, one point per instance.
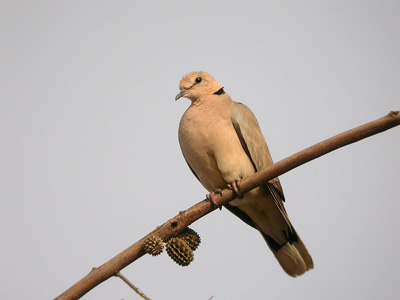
{"type": "Point", "coordinates": [222, 144]}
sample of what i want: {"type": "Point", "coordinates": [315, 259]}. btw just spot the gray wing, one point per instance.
{"type": "Point", "coordinates": [253, 142]}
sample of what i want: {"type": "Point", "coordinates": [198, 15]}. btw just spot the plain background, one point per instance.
{"type": "Point", "coordinates": [90, 161]}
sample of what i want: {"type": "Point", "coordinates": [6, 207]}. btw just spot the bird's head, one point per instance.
{"type": "Point", "coordinates": [196, 85]}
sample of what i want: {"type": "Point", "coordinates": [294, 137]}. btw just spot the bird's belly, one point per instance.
{"type": "Point", "coordinates": [217, 159]}
{"type": "Point", "coordinates": [205, 167]}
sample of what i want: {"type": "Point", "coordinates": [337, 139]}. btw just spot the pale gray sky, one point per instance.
{"type": "Point", "coordinates": [90, 161]}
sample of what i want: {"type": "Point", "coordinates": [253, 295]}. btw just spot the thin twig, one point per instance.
{"type": "Point", "coordinates": [136, 289]}
{"type": "Point", "coordinates": [187, 217]}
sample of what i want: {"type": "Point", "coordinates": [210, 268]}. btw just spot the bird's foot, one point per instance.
{"type": "Point", "coordinates": [211, 197]}
{"type": "Point", "coordinates": [235, 186]}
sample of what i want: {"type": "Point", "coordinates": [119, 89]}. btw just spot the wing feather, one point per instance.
{"type": "Point", "coordinates": [254, 144]}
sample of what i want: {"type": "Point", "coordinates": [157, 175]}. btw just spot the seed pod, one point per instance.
{"type": "Point", "coordinates": [179, 251]}
{"type": "Point", "coordinates": [153, 245]}
{"type": "Point", "coordinates": [191, 237]}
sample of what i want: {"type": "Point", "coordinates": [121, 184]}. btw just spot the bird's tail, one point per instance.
{"type": "Point", "coordinates": [293, 256]}
{"type": "Point", "coordinates": [265, 212]}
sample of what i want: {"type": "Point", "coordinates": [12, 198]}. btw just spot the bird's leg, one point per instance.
{"type": "Point", "coordinates": [235, 186]}
{"type": "Point", "coordinates": [211, 197]}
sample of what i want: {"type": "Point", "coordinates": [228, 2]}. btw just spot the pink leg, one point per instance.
{"type": "Point", "coordinates": [235, 186]}
{"type": "Point", "coordinates": [211, 197]}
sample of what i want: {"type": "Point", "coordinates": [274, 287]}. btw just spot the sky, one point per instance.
{"type": "Point", "coordinates": [90, 161]}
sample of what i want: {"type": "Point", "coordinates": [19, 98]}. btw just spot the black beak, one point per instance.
{"type": "Point", "coordinates": [180, 95]}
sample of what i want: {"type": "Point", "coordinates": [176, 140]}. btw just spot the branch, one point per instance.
{"type": "Point", "coordinates": [173, 226]}
{"type": "Point", "coordinates": [132, 286]}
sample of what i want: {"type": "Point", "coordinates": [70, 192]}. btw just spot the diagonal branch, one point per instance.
{"type": "Point", "coordinates": [132, 286]}
{"type": "Point", "coordinates": [185, 218]}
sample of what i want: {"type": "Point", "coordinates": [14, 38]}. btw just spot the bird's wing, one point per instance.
{"type": "Point", "coordinates": [292, 255]}
{"type": "Point", "coordinates": [253, 143]}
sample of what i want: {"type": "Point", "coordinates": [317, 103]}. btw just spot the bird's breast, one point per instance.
{"type": "Point", "coordinates": [213, 150]}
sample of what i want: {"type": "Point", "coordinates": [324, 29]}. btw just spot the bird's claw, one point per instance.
{"type": "Point", "coordinates": [211, 197]}
{"type": "Point", "coordinates": [235, 186]}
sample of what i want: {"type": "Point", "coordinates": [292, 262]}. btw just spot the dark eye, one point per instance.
{"type": "Point", "coordinates": [198, 80]}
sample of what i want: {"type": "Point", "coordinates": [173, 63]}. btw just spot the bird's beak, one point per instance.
{"type": "Point", "coordinates": [181, 94]}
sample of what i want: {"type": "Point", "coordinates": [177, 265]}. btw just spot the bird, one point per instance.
{"type": "Point", "coordinates": [222, 144]}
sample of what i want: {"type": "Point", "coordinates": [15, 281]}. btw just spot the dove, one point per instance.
{"type": "Point", "coordinates": [222, 144]}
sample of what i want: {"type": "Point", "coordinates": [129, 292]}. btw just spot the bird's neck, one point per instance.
{"type": "Point", "coordinates": [211, 102]}
{"type": "Point", "coordinates": [218, 106]}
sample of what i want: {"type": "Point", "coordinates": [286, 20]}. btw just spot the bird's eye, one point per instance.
{"type": "Point", "coordinates": [198, 80]}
